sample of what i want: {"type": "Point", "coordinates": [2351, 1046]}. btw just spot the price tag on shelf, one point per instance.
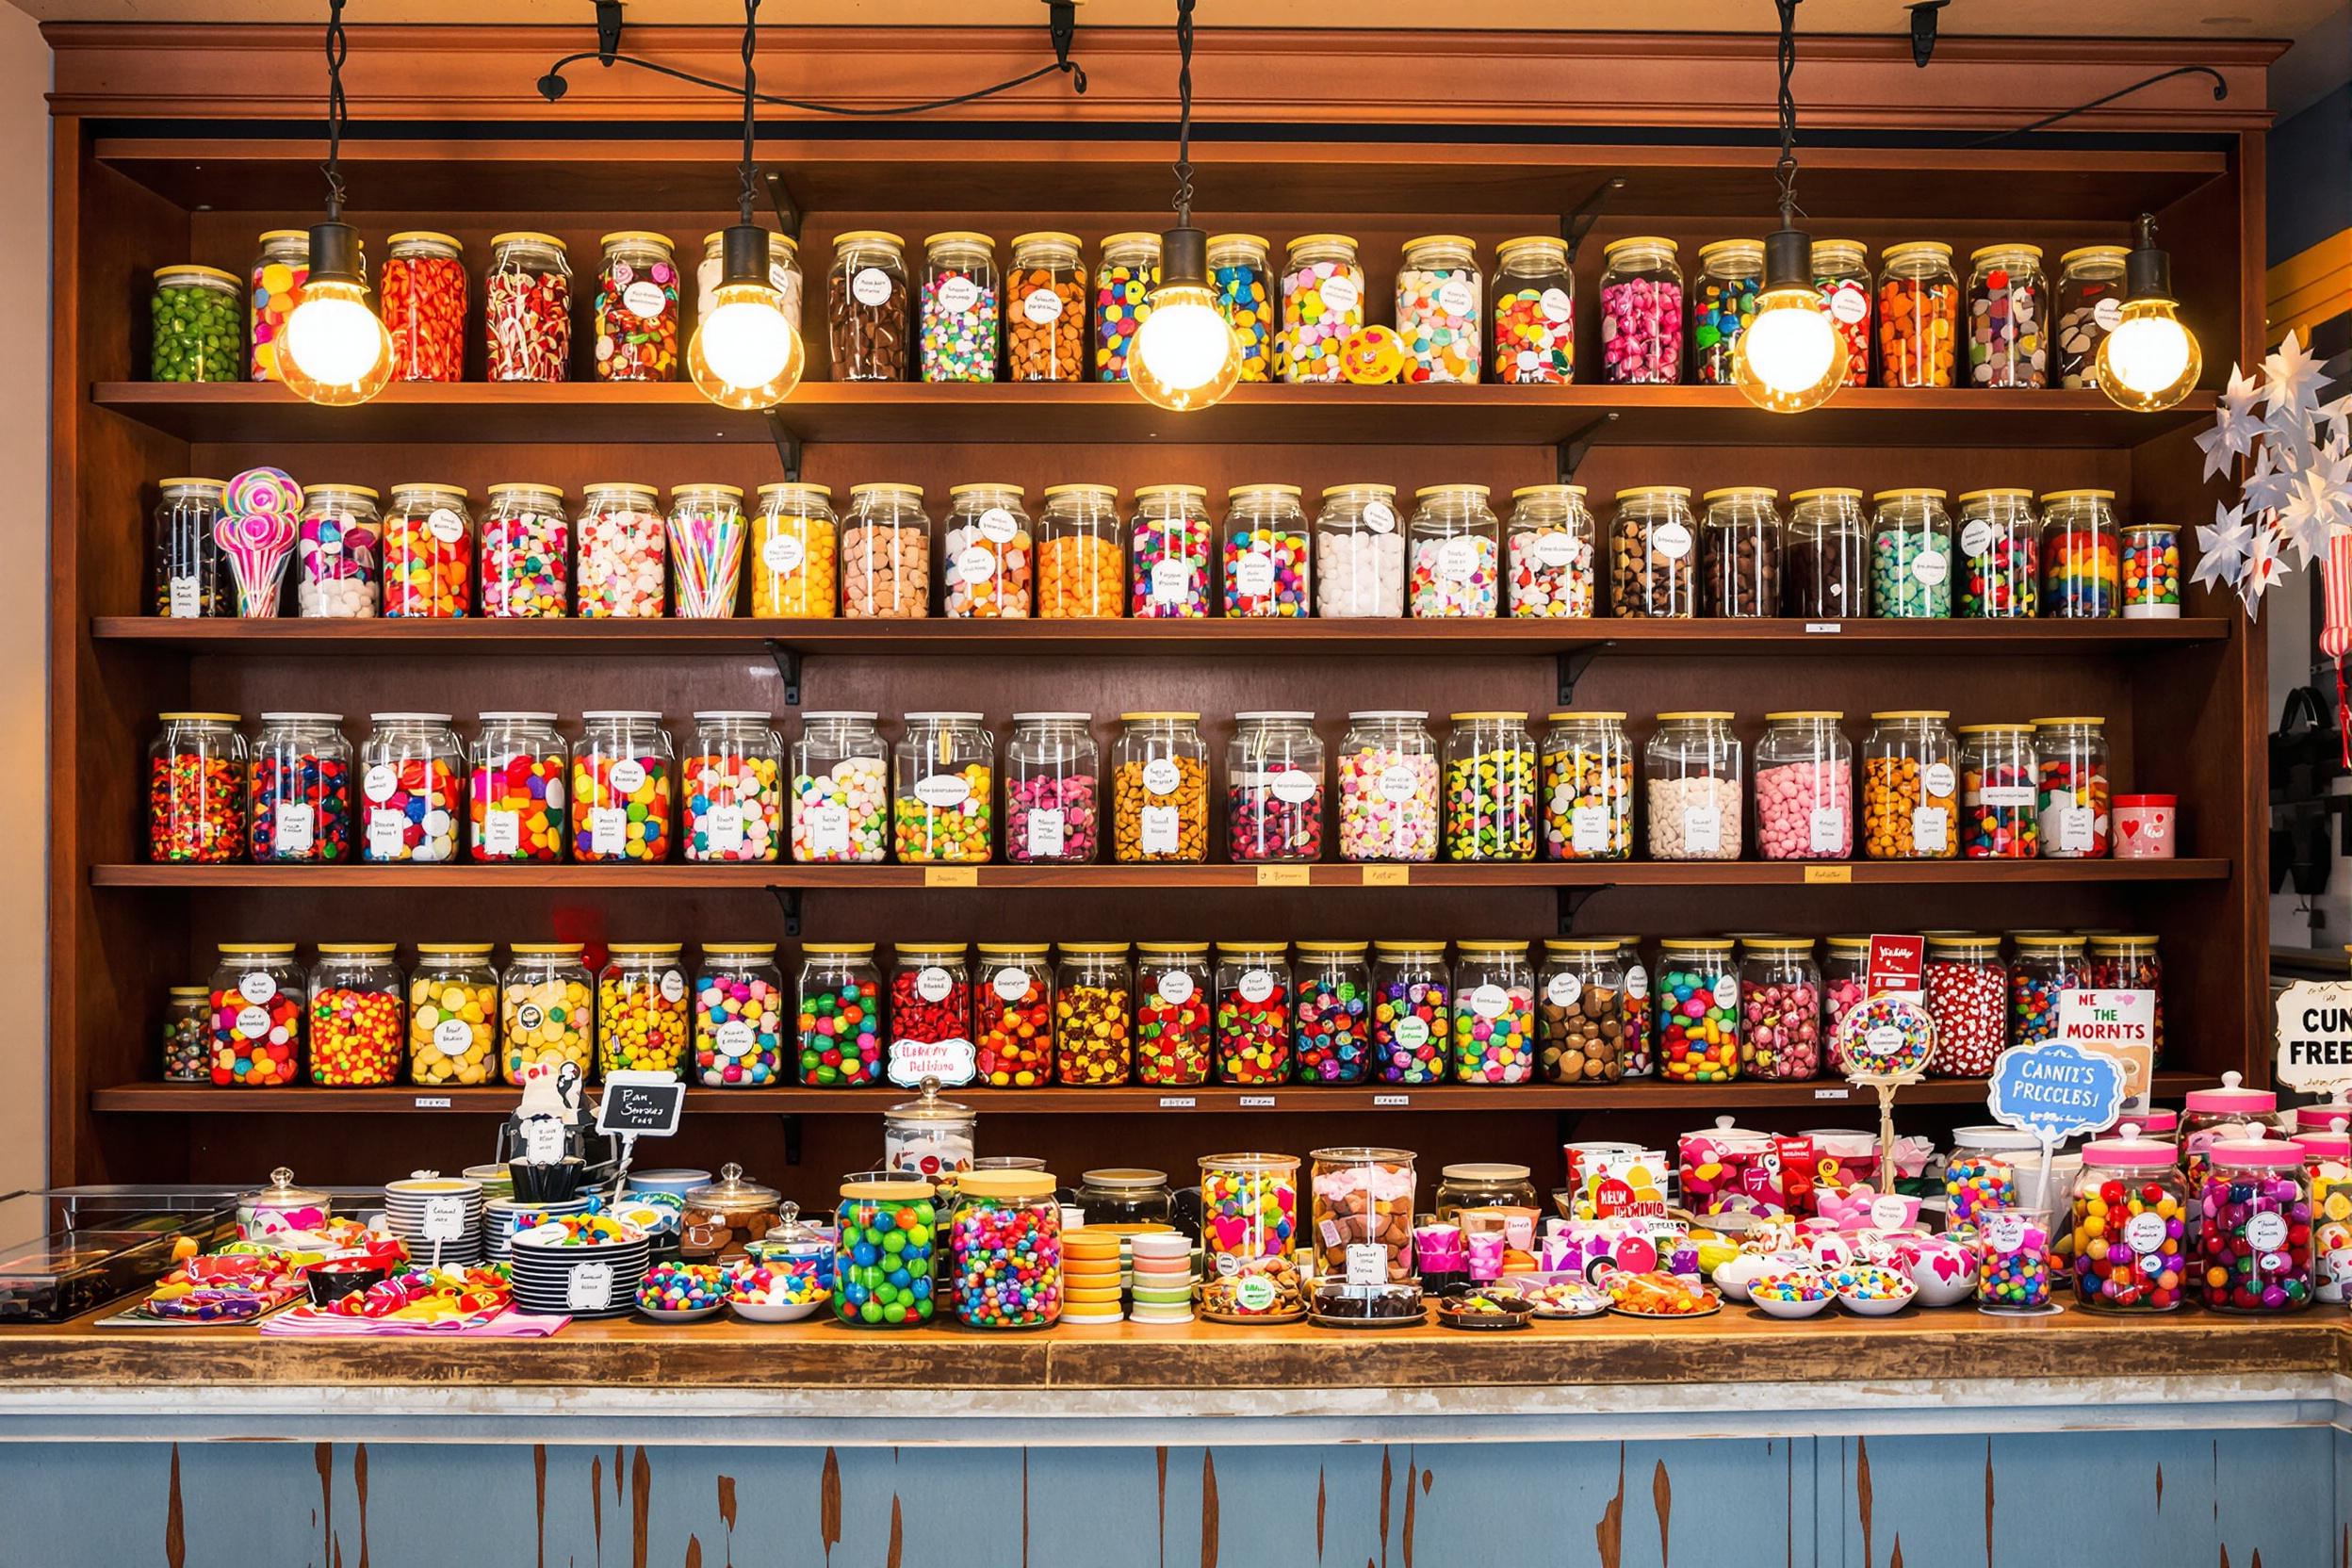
{"type": "Point", "coordinates": [1832, 1094]}
{"type": "Point", "coordinates": [432, 1102]}
{"type": "Point", "coordinates": [1282, 876]}
{"type": "Point", "coordinates": [1256, 1101]}
{"type": "Point", "coordinates": [1817, 877]}
{"type": "Point", "coordinates": [1176, 1102]}
{"type": "Point", "coordinates": [950, 877]}
{"type": "Point", "coordinates": [1391, 1102]}
{"type": "Point", "coordinates": [1387, 876]}
{"type": "Point", "coordinates": [1823, 628]}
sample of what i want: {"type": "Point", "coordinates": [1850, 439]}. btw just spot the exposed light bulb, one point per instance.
{"type": "Point", "coordinates": [334, 350]}
{"type": "Point", "coordinates": [1790, 357]}
{"type": "Point", "coordinates": [2151, 360]}
{"type": "Point", "coordinates": [744, 353]}
{"type": "Point", "coordinates": [1185, 356]}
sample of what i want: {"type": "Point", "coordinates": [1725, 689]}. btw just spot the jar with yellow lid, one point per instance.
{"type": "Point", "coordinates": [866, 306]}
{"type": "Point", "coordinates": [706, 540]}
{"type": "Point", "coordinates": [2129, 963]}
{"type": "Point", "coordinates": [2000, 551]}
{"type": "Point", "coordinates": [1805, 787]}
{"type": "Point", "coordinates": [2091, 293]}
{"type": "Point", "coordinates": [1910, 786]}
{"type": "Point", "coordinates": [2082, 556]}
{"type": "Point", "coordinates": [1692, 779]}
{"type": "Point", "coordinates": [1323, 289]}
{"type": "Point", "coordinates": [281, 267]}
{"type": "Point", "coordinates": [452, 1014]}
{"type": "Point", "coordinates": [636, 307]}
{"type": "Point", "coordinates": [259, 999]}
{"type": "Point", "coordinates": [739, 1015]}
{"type": "Point", "coordinates": [1266, 568]}
{"type": "Point", "coordinates": [1171, 551]}
{"type": "Point", "coordinates": [1006, 1241]}
{"type": "Point", "coordinates": [1653, 554]}
{"type": "Point", "coordinates": [990, 554]}
{"type": "Point", "coordinates": [1588, 786]}
{"type": "Point", "coordinates": [1274, 788]}
{"type": "Point", "coordinates": [1013, 1015]}
{"type": "Point", "coordinates": [188, 577]}
{"type": "Point", "coordinates": [1045, 310]}
{"type": "Point", "coordinates": [1081, 568]}
{"type": "Point", "coordinates": [642, 1007]}
{"type": "Point", "coordinates": [1438, 310]}
{"type": "Point", "coordinates": [1739, 553]}
{"type": "Point", "coordinates": [423, 297]}
{"type": "Point", "coordinates": [1535, 312]}
{"type": "Point", "coordinates": [358, 1025]}
{"type": "Point", "coordinates": [1919, 315]}
{"type": "Point", "coordinates": [1911, 555]}
{"type": "Point", "coordinates": [1826, 572]}
{"type": "Point", "coordinates": [1412, 1013]}
{"type": "Point", "coordinates": [1253, 1025]}
{"type": "Point", "coordinates": [526, 553]}
{"type": "Point", "coordinates": [1580, 1013]}
{"type": "Point", "coordinates": [1550, 546]}
{"type": "Point", "coordinates": [1697, 1008]}
{"type": "Point", "coordinates": [195, 325]}
{"type": "Point", "coordinates": [2071, 765]}
{"type": "Point", "coordinates": [2008, 318]}
{"type": "Point", "coordinates": [1494, 1013]}
{"type": "Point", "coordinates": [1359, 554]}
{"type": "Point", "coordinates": [1998, 819]}
{"type": "Point", "coordinates": [1330, 1011]}
{"type": "Point", "coordinates": [547, 1011]}
{"type": "Point", "coordinates": [886, 1235]}
{"type": "Point", "coordinates": [188, 1036]}
{"type": "Point", "coordinates": [1456, 553]}
{"type": "Point", "coordinates": [885, 553]}
{"type": "Point", "coordinates": [1124, 277]}
{"type": "Point", "coordinates": [1246, 297]}
{"type": "Point", "coordinates": [795, 568]}
{"type": "Point", "coordinates": [1174, 996]}
{"type": "Point", "coordinates": [1491, 775]}
{"type": "Point", "coordinates": [1093, 1015]}
{"type": "Point", "coordinates": [336, 555]}
{"type": "Point", "coordinates": [622, 570]}
{"type": "Point", "coordinates": [428, 552]}
{"type": "Point", "coordinates": [961, 309]}
{"type": "Point", "coordinates": [1780, 1008]}
{"type": "Point", "coordinates": [1731, 275]}
{"type": "Point", "coordinates": [2046, 966]}
{"type": "Point", "coordinates": [1160, 788]}
{"type": "Point", "coordinates": [942, 788]}
{"type": "Point", "coordinates": [526, 308]}
{"type": "Point", "coordinates": [1640, 313]}
{"type": "Point", "coordinates": [1841, 274]}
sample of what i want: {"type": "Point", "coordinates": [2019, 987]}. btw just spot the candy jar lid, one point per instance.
{"type": "Point", "coordinates": [930, 1108]}
{"type": "Point", "coordinates": [1476, 1172]}
{"type": "Point", "coordinates": [2230, 1097]}
{"type": "Point", "coordinates": [283, 1194]}
{"type": "Point", "coordinates": [2260, 1154]}
{"type": "Point", "coordinates": [791, 1233]}
{"type": "Point", "coordinates": [2129, 1149]}
{"type": "Point", "coordinates": [2325, 1145]}
{"type": "Point", "coordinates": [732, 1191]}
{"type": "Point", "coordinates": [2333, 1114]}
{"type": "Point", "coordinates": [1124, 1179]}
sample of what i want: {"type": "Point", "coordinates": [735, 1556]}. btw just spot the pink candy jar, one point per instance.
{"type": "Point", "coordinates": [1780, 1005]}
{"type": "Point", "coordinates": [1845, 965]}
{"type": "Point", "coordinates": [1729, 1170]}
{"type": "Point", "coordinates": [2146, 827]}
{"type": "Point", "coordinates": [2230, 1111]}
{"type": "Point", "coordinates": [1803, 788]}
{"type": "Point", "coordinates": [1641, 313]}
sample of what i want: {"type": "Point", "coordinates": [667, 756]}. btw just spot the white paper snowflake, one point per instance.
{"type": "Point", "coordinates": [2296, 491]}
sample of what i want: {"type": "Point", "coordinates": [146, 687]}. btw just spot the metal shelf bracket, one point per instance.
{"type": "Point", "coordinates": [787, 665]}
{"type": "Point", "coordinates": [788, 904]}
{"type": "Point", "coordinates": [1579, 441]}
{"type": "Point", "coordinates": [1572, 902]}
{"type": "Point", "coordinates": [788, 446]}
{"type": "Point", "coordinates": [1573, 664]}
{"type": "Point", "coordinates": [1574, 225]}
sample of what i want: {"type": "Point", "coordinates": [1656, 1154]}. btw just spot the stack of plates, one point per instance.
{"type": "Point", "coordinates": [448, 1208]}
{"type": "Point", "coordinates": [1163, 1277]}
{"type": "Point", "coordinates": [504, 1216]}
{"type": "Point", "coordinates": [580, 1282]}
{"type": "Point", "coordinates": [1091, 1277]}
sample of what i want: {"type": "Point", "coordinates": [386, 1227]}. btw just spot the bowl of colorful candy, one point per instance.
{"type": "Point", "coordinates": [771, 1291]}
{"type": "Point", "coordinates": [683, 1292]}
{"type": "Point", "coordinates": [1790, 1292]}
{"type": "Point", "coordinates": [1874, 1290]}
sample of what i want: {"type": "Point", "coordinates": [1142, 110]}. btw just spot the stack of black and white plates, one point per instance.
{"type": "Point", "coordinates": [502, 1217]}
{"type": "Point", "coordinates": [438, 1217]}
{"type": "Point", "coordinates": [556, 1275]}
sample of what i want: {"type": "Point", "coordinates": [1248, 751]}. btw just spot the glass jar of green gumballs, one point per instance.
{"type": "Point", "coordinates": [883, 1251]}
{"type": "Point", "coordinates": [199, 322]}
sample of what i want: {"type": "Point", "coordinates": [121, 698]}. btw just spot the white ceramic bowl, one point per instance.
{"type": "Point", "coordinates": [690, 1315]}
{"type": "Point", "coordinates": [1879, 1306]}
{"type": "Point", "coordinates": [775, 1311]}
{"type": "Point", "coordinates": [1944, 1271]}
{"type": "Point", "coordinates": [1773, 1307]}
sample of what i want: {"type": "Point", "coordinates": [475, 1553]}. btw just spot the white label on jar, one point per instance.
{"type": "Point", "coordinates": [998, 526]}
{"type": "Point", "coordinates": [1171, 581]}
{"type": "Point", "coordinates": [1976, 538]}
{"type": "Point", "coordinates": [256, 986]}
{"type": "Point", "coordinates": [1455, 297]}
{"type": "Point", "coordinates": [1931, 567]}
{"type": "Point", "coordinates": [1703, 829]}
{"type": "Point", "coordinates": [1558, 304]}
{"type": "Point", "coordinates": [783, 552]}
{"type": "Point", "coordinates": [608, 830]}
{"type": "Point", "coordinates": [588, 1287]}
{"type": "Point", "coordinates": [1931, 829]}
{"type": "Point", "coordinates": [186, 599]}
{"type": "Point", "coordinates": [1175, 988]}
{"type": "Point", "coordinates": [445, 1217]}
{"type": "Point", "coordinates": [628, 776]}
{"type": "Point", "coordinates": [543, 1139]}
{"type": "Point", "coordinates": [933, 984]}
{"type": "Point", "coordinates": [1254, 1294]}
{"type": "Point", "coordinates": [1379, 516]}
{"type": "Point", "coordinates": [1888, 1211]}
{"type": "Point", "coordinates": [380, 781]}
{"type": "Point", "coordinates": [253, 1022]}
{"type": "Point", "coordinates": [1564, 990]}
{"type": "Point", "coordinates": [1587, 829]}
{"type": "Point", "coordinates": [502, 832]}
{"type": "Point", "coordinates": [1825, 831]}
{"type": "Point", "coordinates": [1341, 293]}
{"type": "Point", "coordinates": [1848, 302]}
{"type": "Point", "coordinates": [943, 789]}
{"type": "Point", "coordinates": [387, 834]}
{"type": "Point", "coordinates": [2005, 1232]}
{"type": "Point", "coordinates": [1254, 574]}
{"type": "Point", "coordinates": [444, 525]}
{"type": "Point", "coordinates": [722, 829]}
{"type": "Point", "coordinates": [1726, 990]}
{"type": "Point", "coordinates": [294, 823]}
{"type": "Point", "coordinates": [673, 986]}
{"type": "Point", "coordinates": [453, 1037]}
{"type": "Point", "coordinates": [1042, 306]}
{"type": "Point", "coordinates": [2144, 1232]}
{"type": "Point", "coordinates": [529, 1016]}
{"type": "Point", "coordinates": [827, 828]}
{"type": "Point", "coordinates": [2108, 313]}
{"type": "Point", "coordinates": [1161, 775]}
{"type": "Point", "coordinates": [1637, 982]}
{"type": "Point", "coordinates": [1938, 779]}
{"type": "Point", "coordinates": [1399, 782]}
{"type": "Point", "coordinates": [2005, 794]}
{"type": "Point", "coordinates": [1296, 785]}
{"type": "Point", "coordinates": [1048, 832]}
{"type": "Point", "coordinates": [1161, 830]}
{"type": "Point", "coordinates": [1490, 1002]}
{"type": "Point", "coordinates": [736, 1037]}
{"type": "Point", "coordinates": [1255, 985]}
{"type": "Point", "coordinates": [1412, 1032]}
{"type": "Point", "coordinates": [1457, 558]}
{"type": "Point", "coordinates": [2266, 1231]}
{"type": "Point", "coordinates": [957, 295]}
{"type": "Point", "coordinates": [977, 564]}
{"type": "Point", "coordinates": [870, 287]}
{"type": "Point", "coordinates": [1011, 983]}
{"type": "Point", "coordinates": [1556, 549]}
{"type": "Point", "coordinates": [1367, 1263]}
{"type": "Point", "coordinates": [2073, 829]}
{"type": "Point", "coordinates": [645, 299]}
{"type": "Point", "coordinates": [1670, 539]}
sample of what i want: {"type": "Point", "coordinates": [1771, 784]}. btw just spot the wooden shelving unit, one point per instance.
{"type": "Point", "coordinates": [458, 143]}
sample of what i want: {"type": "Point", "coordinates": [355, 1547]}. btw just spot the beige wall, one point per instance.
{"type": "Point", "coordinates": [23, 611]}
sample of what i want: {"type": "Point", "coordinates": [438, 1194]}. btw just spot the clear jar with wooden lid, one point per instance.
{"type": "Point", "coordinates": [452, 1015]}
{"type": "Point", "coordinates": [1248, 295]}
{"type": "Point", "coordinates": [1080, 566]}
{"type": "Point", "coordinates": [1535, 312]}
{"type": "Point", "coordinates": [423, 294]}
{"type": "Point", "coordinates": [1825, 571]}
{"type": "Point", "coordinates": [1438, 313]}
{"type": "Point", "coordinates": [1549, 550]}
{"type": "Point", "coordinates": [2008, 318]}
{"type": "Point", "coordinates": [1841, 274]}
{"type": "Point", "coordinates": [336, 556]}
{"type": "Point", "coordinates": [1093, 1015]}
{"type": "Point", "coordinates": [990, 553]}
{"type": "Point", "coordinates": [706, 534]}
{"type": "Point", "coordinates": [1653, 547]}
{"type": "Point", "coordinates": [1331, 1013]}
{"type": "Point", "coordinates": [428, 552]}
{"type": "Point", "coordinates": [1456, 553]}
{"type": "Point", "coordinates": [358, 1023]}
{"type": "Point", "coordinates": [1693, 780]}
{"type": "Point", "coordinates": [867, 306]}
{"type": "Point", "coordinates": [1491, 778]}
{"type": "Point", "coordinates": [1323, 289]}
{"type": "Point", "coordinates": [1171, 553]}
{"type": "Point", "coordinates": [1359, 554]}
{"type": "Point", "coordinates": [526, 553]}
{"type": "Point", "coordinates": [794, 553]}
{"type": "Point", "coordinates": [961, 309]}
{"type": "Point", "coordinates": [526, 308]}
{"type": "Point", "coordinates": [1739, 553]}
{"type": "Point", "coordinates": [2090, 305]}
{"type": "Point", "coordinates": [1698, 1010]}
{"type": "Point", "coordinates": [1174, 1001]}
{"type": "Point", "coordinates": [1267, 562]}
{"type": "Point", "coordinates": [1910, 786]}
{"type": "Point", "coordinates": [1731, 275]}
{"type": "Point", "coordinates": [1124, 278]}
{"type": "Point", "coordinates": [1998, 776]}
{"type": "Point", "coordinates": [2082, 556]}
{"type": "Point", "coordinates": [1997, 566]}
{"type": "Point", "coordinates": [1805, 787]}
{"type": "Point", "coordinates": [1587, 787]}
{"type": "Point", "coordinates": [1580, 1012]}
{"type": "Point", "coordinates": [636, 308]}
{"type": "Point", "coordinates": [1160, 788]}
{"type": "Point", "coordinates": [1780, 1001]}
{"type": "Point", "coordinates": [1919, 315]}
{"type": "Point", "coordinates": [1045, 310]}
{"type": "Point", "coordinates": [1641, 307]}
{"type": "Point", "coordinates": [1911, 555]}
{"type": "Point", "coordinates": [885, 553]}
{"type": "Point", "coordinates": [546, 1009]}
{"type": "Point", "coordinates": [258, 997]}
{"type": "Point", "coordinates": [622, 570]}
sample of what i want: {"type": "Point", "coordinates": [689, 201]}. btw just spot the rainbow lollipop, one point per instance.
{"type": "Point", "coordinates": [256, 532]}
{"type": "Point", "coordinates": [706, 557]}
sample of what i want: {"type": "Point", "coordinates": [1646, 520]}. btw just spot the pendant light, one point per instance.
{"type": "Point", "coordinates": [744, 352]}
{"type": "Point", "coordinates": [2151, 359]}
{"type": "Point", "coordinates": [1791, 356]}
{"type": "Point", "coordinates": [333, 349]}
{"type": "Point", "coordinates": [1185, 356]}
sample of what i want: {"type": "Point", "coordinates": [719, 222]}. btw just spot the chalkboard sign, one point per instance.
{"type": "Point", "coordinates": [644, 1104]}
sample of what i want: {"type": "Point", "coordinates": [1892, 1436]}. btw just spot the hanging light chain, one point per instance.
{"type": "Point", "coordinates": [1184, 113]}
{"type": "Point", "coordinates": [338, 47]}
{"type": "Point", "coordinates": [1787, 169]}
{"type": "Point", "coordinates": [751, 98]}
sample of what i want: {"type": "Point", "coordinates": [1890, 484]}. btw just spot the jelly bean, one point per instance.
{"type": "Point", "coordinates": [1172, 1027]}
{"type": "Point", "coordinates": [301, 806]}
{"type": "Point", "coordinates": [413, 811]}
{"type": "Point", "coordinates": [1805, 812]}
{"type": "Point", "coordinates": [1460, 576]}
{"type": "Point", "coordinates": [620, 807]}
{"type": "Point", "coordinates": [1493, 1033]}
{"type": "Point", "coordinates": [1248, 309]}
{"type": "Point", "coordinates": [2128, 1243]}
{"type": "Point", "coordinates": [1780, 1029]}
{"type": "Point", "coordinates": [195, 325]}
{"type": "Point", "coordinates": [1169, 560]}
{"type": "Point", "coordinates": [958, 831]}
{"type": "Point", "coordinates": [526, 315]}
{"type": "Point", "coordinates": [1918, 321]}
{"type": "Point", "coordinates": [1067, 801]}
{"type": "Point", "coordinates": [2151, 571]}
{"type": "Point", "coordinates": [960, 316]}
{"type": "Point", "coordinates": [526, 554]}
{"type": "Point", "coordinates": [1160, 810]}
{"type": "Point", "coordinates": [515, 809]}
{"type": "Point", "coordinates": [1998, 569]}
{"type": "Point", "coordinates": [452, 1028]}
{"type": "Point", "coordinates": [642, 1023]}
{"type": "Point", "coordinates": [2081, 573]}
{"type": "Point", "coordinates": [1642, 331]}
{"type": "Point", "coordinates": [841, 1035]}
{"type": "Point", "coordinates": [1438, 316]}
{"type": "Point", "coordinates": [1013, 1025]}
{"type": "Point", "coordinates": [1490, 801]}
{"type": "Point", "coordinates": [1698, 1024]}
{"type": "Point", "coordinates": [622, 569]}
{"type": "Point", "coordinates": [357, 1037]}
{"type": "Point", "coordinates": [840, 815]}
{"type": "Point", "coordinates": [1322, 304]}
{"type": "Point", "coordinates": [1091, 1043]}
{"type": "Point", "coordinates": [739, 1030]}
{"type": "Point", "coordinates": [195, 808]}
{"type": "Point", "coordinates": [1388, 804]}
{"type": "Point", "coordinates": [636, 312]}
{"type": "Point", "coordinates": [882, 1262]}
{"type": "Point", "coordinates": [1253, 1030]}
{"type": "Point", "coordinates": [1009, 1263]}
{"type": "Point", "coordinates": [256, 1032]}
{"type": "Point", "coordinates": [1265, 572]}
{"type": "Point", "coordinates": [423, 295]}
{"type": "Point", "coordinates": [1331, 1028]}
{"type": "Point", "coordinates": [278, 273]}
{"type": "Point", "coordinates": [1998, 820]}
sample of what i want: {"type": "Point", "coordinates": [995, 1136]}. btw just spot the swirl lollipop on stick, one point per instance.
{"type": "Point", "coordinates": [256, 532]}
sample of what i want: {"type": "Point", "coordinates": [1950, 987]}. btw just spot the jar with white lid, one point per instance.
{"type": "Point", "coordinates": [636, 308]}
{"type": "Point", "coordinates": [1438, 313]}
{"type": "Point", "coordinates": [621, 777]}
{"type": "Point", "coordinates": [258, 996]}
{"type": "Point", "coordinates": [358, 1021]}
{"type": "Point", "coordinates": [1323, 289]}
{"type": "Point", "coordinates": [526, 553]}
{"type": "Point", "coordinates": [1267, 562]}
{"type": "Point", "coordinates": [783, 274]}
{"type": "Point", "coordinates": [428, 552]}
{"type": "Point", "coordinates": [1160, 790]}
{"type": "Point", "coordinates": [1491, 777]}
{"type": "Point", "coordinates": [1052, 790]}
{"type": "Point", "coordinates": [1692, 779]}
{"type": "Point", "coordinates": [1825, 571]}
{"type": "Point", "coordinates": [1274, 788]}
{"type": "Point", "coordinates": [1171, 552]}
{"type": "Point", "coordinates": [840, 785]}
{"type": "Point", "coordinates": [1549, 553]}
{"type": "Point", "coordinates": [867, 307]}
{"type": "Point", "coordinates": [794, 552]}
{"type": "Point", "coordinates": [336, 555]}
{"type": "Point", "coordinates": [1739, 553]}
{"type": "Point", "coordinates": [1388, 787]}
{"type": "Point", "coordinates": [1654, 547]}
{"type": "Point", "coordinates": [885, 553]}
{"type": "Point", "coordinates": [1998, 564]}
{"type": "Point", "coordinates": [1456, 553]}
{"type": "Point", "coordinates": [1535, 312]}
{"type": "Point", "coordinates": [942, 791]}
{"type": "Point", "coordinates": [1359, 554]}
{"type": "Point", "coordinates": [622, 570]}
{"type": "Point", "coordinates": [2008, 318]}
{"type": "Point", "coordinates": [1731, 275]}
{"type": "Point", "coordinates": [1588, 786]}
{"type": "Point", "coordinates": [1080, 566]}
{"type": "Point", "coordinates": [1640, 313]}
{"type": "Point", "coordinates": [1805, 787]}
{"type": "Point", "coordinates": [1911, 555]}
{"type": "Point", "coordinates": [517, 769]}
{"type": "Point", "coordinates": [411, 772]}
{"type": "Point", "coordinates": [299, 808]}
{"type": "Point", "coordinates": [2082, 566]}
{"type": "Point", "coordinates": [990, 556]}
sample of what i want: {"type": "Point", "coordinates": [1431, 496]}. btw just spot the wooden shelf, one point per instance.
{"type": "Point", "coordinates": [1065, 413]}
{"type": "Point", "coordinates": [1171, 639]}
{"type": "Point", "coordinates": [1644, 874]}
{"type": "Point", "coordinates": [1646, 1094]}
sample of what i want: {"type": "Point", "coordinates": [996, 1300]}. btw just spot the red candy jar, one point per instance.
{"type": "Point", "coordinates": [257, 1002]}
{"type": "Point", "coordinates": [1013, 1016]}
{"type": "Point", "coordinates": [931, 1016]}
{"type": "Point", "coordinates": [196, 790]}
{"type": "Point", "coordinates": [423, 292]}
{"type": "Point", "coordinates": [1172, 1029]}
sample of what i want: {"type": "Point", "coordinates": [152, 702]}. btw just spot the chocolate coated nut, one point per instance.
{"type": "Point", "coordinates": [1741, 567]}
{"type": "Point", "coordinates": [1644, 581]}
{"type": "Point", "coordinates": [868, 341]}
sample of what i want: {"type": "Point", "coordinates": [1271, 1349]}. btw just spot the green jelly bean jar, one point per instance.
{"type": "Point", "coordinates": [883, 1256]}
{"type": "Point", "coordinates": [199, 317]}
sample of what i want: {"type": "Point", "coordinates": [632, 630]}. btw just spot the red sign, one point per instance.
{"type": "Point", "coordinates": [1896, 963]}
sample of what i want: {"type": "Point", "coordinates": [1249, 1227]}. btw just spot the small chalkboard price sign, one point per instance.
{"type": "Point", "coordinates": [640, 1104]}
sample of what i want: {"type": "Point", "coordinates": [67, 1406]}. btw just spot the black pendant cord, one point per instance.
{"type": "Point", "coordinates": [2221, 90]}
{"type": "Point", "coordinates": [552, 86]}
{"type": "Point", "coordinates": [1787, 169]}
{"type": "Point", "coordinates": [1184, 113]}
{"type": "Point", "coordinates": [751, 99]}
{"type": "Point", "coordinates": [338, 47]}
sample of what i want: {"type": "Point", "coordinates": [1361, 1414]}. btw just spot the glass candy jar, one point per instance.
{"type": "Point", "coordinates": [841, 1016]}
{"type": "Point", "coordinates": [1323, 289]}
{"type": "Point", "coordinates": [1053, 791]}
{"type": "Point", "coordinates": [2071, 762]}
{"type": "Point", "coordinates": [1491, 779]}
{"type": "Point", "coordinates": [2090, 305]}
{"type": "Point", "coordinates": [1170, 553]}
{"type": "Point", "coordinates": [642, 1023]}
{"type": "Point", "coordinates": [1438, 314]}
{"type": "Point", "coordinates": [336, 552]}
{"type": "Point", "coordinates": [1652, 551]}
{"type": "Point", "coordinates": [1535, 312]}
{"type": "Point", "coordinates": [2130, 1227]}
{"type": "Point", "coordinates": [1911, 555]}
{"type": "Point", "coordinates": [411, 778]}
{"type": "Point", "coordinates": [636, 308]}
{"type": "Point", "coordinates": [2000, 542]}
{"type": "Point", "coordinates": [1692, 780]}
{"type": "Point", "coordinates": [794, 553]}
{"type": "Point", "coordinates": [1841, 274]}
{"type": "Point", "coordinates": [1910, 786]}
{"type": "Point", "coordinates": [866, 306]}
{"type": "Point", "coordinates": [1081, 568]}
{"type": "Point", "coordinates": [1359, 554]}
{"type": "Point", "coordinates": [358, 1028]}
{"type": "Point", "coordinates": [1045, 312]}
{"type": "Point", "coordinates": [885, 553]}
{"type": "Point", "coordinates": [621, 571]}
{"type": "Point", "coordinates": [1093, 1013]}
{"type": "Point", "coordinates": [1267, 562]}
{"type": "Point", "coordinates": [257, 999]}
{"type": "Point", "coordinates": [991, 553]}
{"type": "Point", "coordinates": [515, 778]}
{"type": "Point", "coordinates": [1006, 1239]}
{"type": "Point", "coordinates": [1330, 1007]}
{"type": "Point", "coordinates": [1919, 315]}
{"type": "Point", "coordinates": [731, 797]}
{"type": "Point", "coordinates": [1739, 553]}
{"type": "Point", "coordinates": [1549, 553]}
{"type": "Point", "coordinates": [1494, 1013]}
{"type": "Point", "coordinates": [547, 1011]}
{"type": "Point", "coordinates": [621, 777]}
{"type": "Point", "coordinates": [196, 783]}
{"type": "Point", "coordinates": [840, 786]}
{"type": "Point", "coordinates": [1388, 787]}
{"type": "Point", "coordinates": [931, 1015]}
{"type": "Point", "coordinates": [1456, 545]}
{"type": "Point", "coordinates": [1731, 274]}
{"type": "Point", "coordinates": [1998, 818]}
{"type": "Point", "coordinates": [1580, 1012]}
{"type": "Point", "coordinates": [962, 307]}
{"type": "Point", "coordinates": [2008, 318]}
{"type": "Point", "coordinates": [1780, 1008]}
{"type": "Point", "coordinates": [1805, 788]}
{"type": "Point", "coordinates": [1640, 313]}
{"type": "Point", "coordinates": [2254, 1232]}
{"type": "Point", "coordinates": [739, 1015]}
{"type": "Point", "coordinates": [886, 1236]}
{"type": "Point", "coordinates": [299, 808]}
{"type": "Point", "coordinates": [452, 1015]}
{"type": "Point", "coordinates": [2082, 556]}
{"type": "Point", "coordinates": [527, 309]}
{"type": "Point", "coordinates": [1252, 1014]}
{"type": "Point", "coordinates": [188, 578]}
{"type": "Point", "coordinates": [1274, 788]}
{"type": "Point", "coordinates": [1826, 570]}
{"type": "Point", "coordinates": [1588, 786]}
{"type": "Point", "coordinates": [942, 794]}
{"type": "Point", "coordinates": [1160, 788]}
{"type": "Point", "coordinates": [1174, 996]}
{"type": "Point", "coordinates": [428, 552]}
